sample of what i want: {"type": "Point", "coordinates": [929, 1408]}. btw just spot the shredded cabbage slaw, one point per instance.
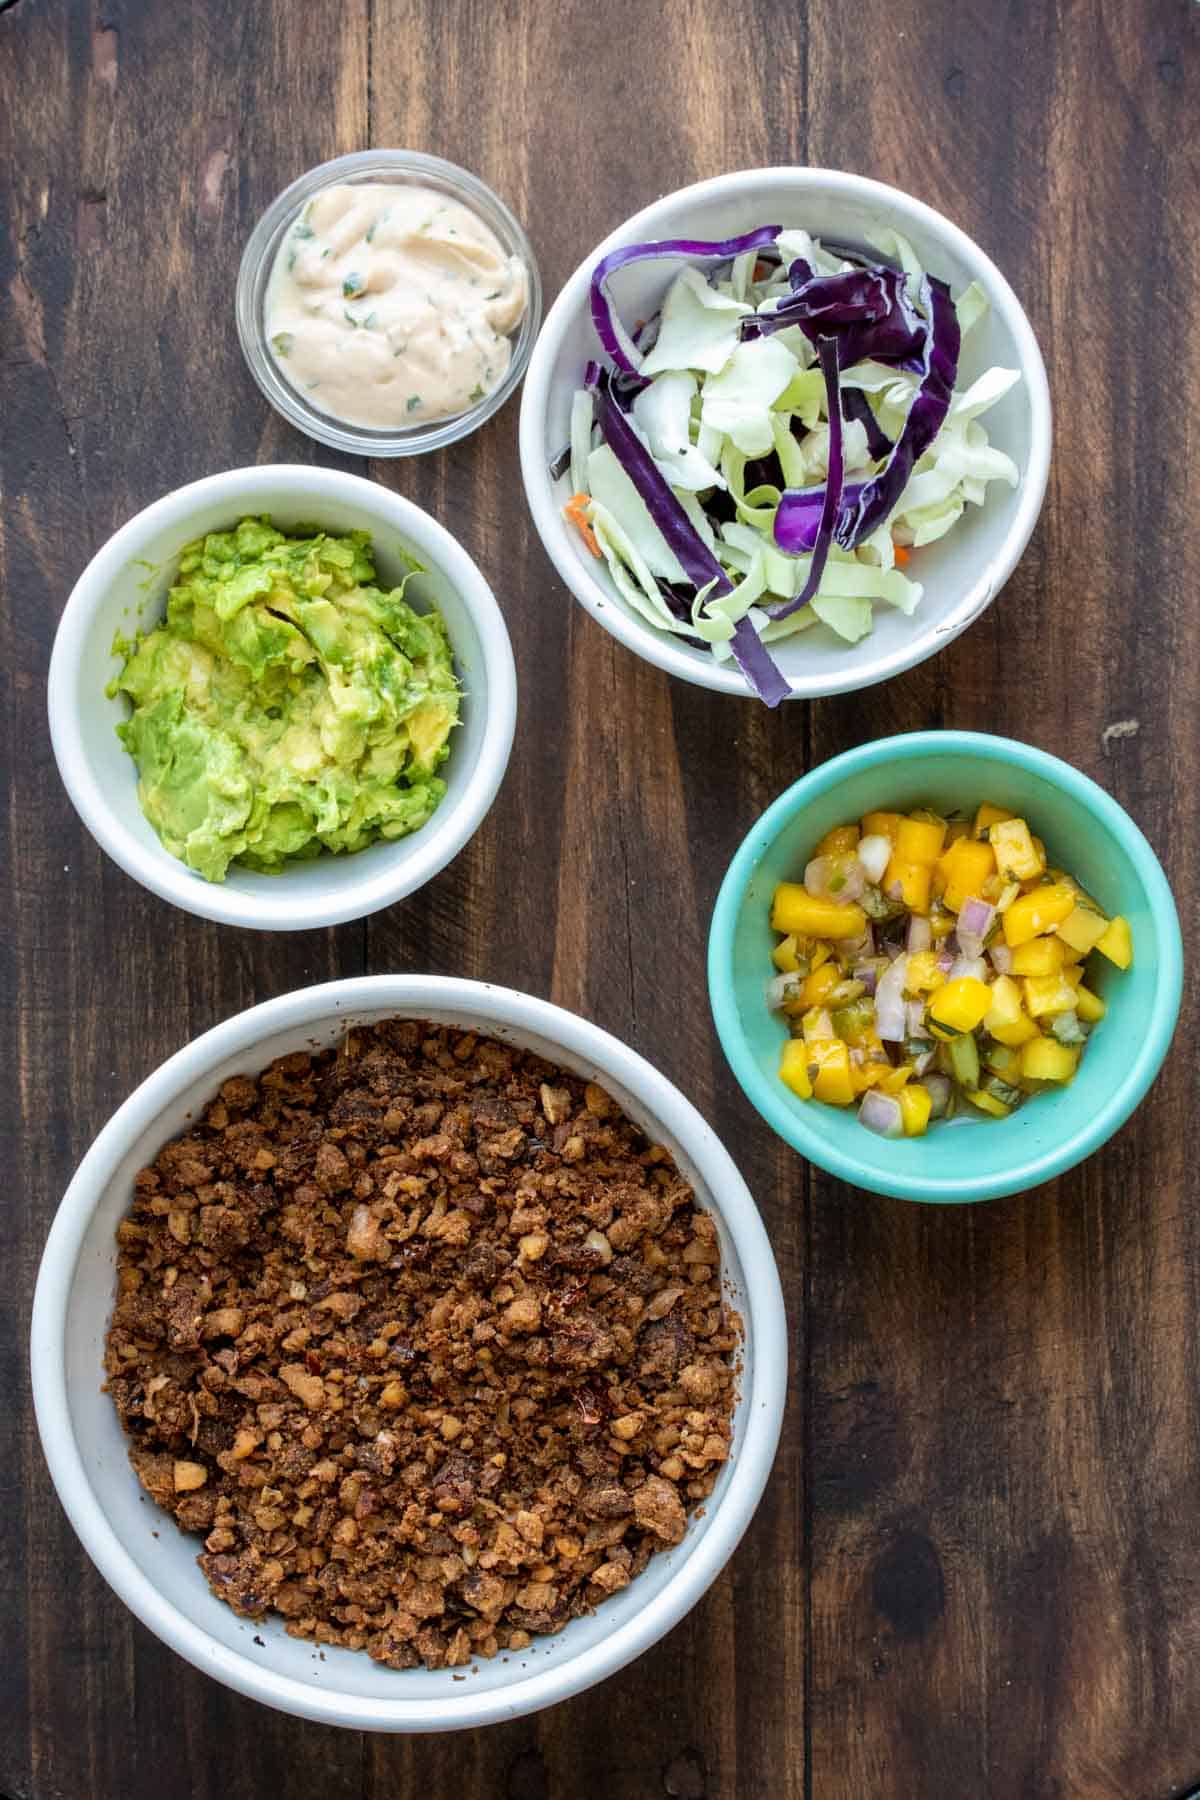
{"type": "Point", "coordinates": [744, 477]}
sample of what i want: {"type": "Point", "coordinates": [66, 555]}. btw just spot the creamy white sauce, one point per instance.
{"type": "Point", "coordinates": [390, 306]}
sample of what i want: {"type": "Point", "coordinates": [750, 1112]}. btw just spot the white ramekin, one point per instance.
{"type": "Point", "coordinates": [152, 1565]}
{"type": "Point", "coordinates": [961, 574]}
{"type": "Point", "coordinates": [124, 587]}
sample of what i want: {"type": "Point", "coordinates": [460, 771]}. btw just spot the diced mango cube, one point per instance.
{"type": "Point", "coordinates": [785, 956]}
{"type": "Point", "coordinates": [1045, 1059]}
{"type": "Point", "coordinates": [869, 1074]}
{"type": "Point", "coordinates": [817, 987]}
{"type": "Point", "coordinates": [832, 1082]}
{"type": "Point", "coordinates": [1117, 943]}
{"type": "Point", "coordinates": [920, 840]}
{"type": "Point", "coordinates": [1089, 1006]}
{"type": "Point", "coordinates": [923, 975]}
{"type": "Point", "coordinates": [1040, 956]}
{"type": "Point", "coordinates": [1019, 1032]}
{"type": "Point", "coordinates": [1032, 915]}
{"type": "Point", "coordinates": [912, 881]}
{"type": "Point", "coordinates": [1046, 995]}
{"type": "Point", "coordinates": [793, 1068]}
{"type": "Point", "coordinates": [961, 1005]}
{"type": "Point", "coordinates": [1016, 854]}
{"type": "Point", "coordinates": [964, 867]}
{"type": "Point", "coordinates": [987, 816]}
{"type": "Point", "coordinates": [894, 1080]}
{"type": "Point", "coordinates": [941, 921]}
{"type": "Point", "coordinates": [1006, 1007]}
{"type": "Point", "coordinates": [795, 909]}
{"type": "Point", "coordinates": [916, 1105]}
{"type": "Point", "coordinates": [1082, 929]}
{"type": "Point", "coordinates": [1006, 1019]}
{"type": "Point", "coordinates": [882, 824]}
{"type": "Point", "coordinates": [841, 841]}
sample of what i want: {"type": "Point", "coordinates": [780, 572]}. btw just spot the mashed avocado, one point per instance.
{"type": "Point", "coordinates": [286, 705]}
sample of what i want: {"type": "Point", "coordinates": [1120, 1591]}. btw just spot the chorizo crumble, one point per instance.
{"type": "Point", "coordinates": [427, 1339]}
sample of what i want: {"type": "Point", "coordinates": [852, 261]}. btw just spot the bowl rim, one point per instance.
{"type": "Point", "coordinates": [764, 1384]}
{"type": "Point", "coordinates": [453, 823]}
{"type": "Point", "coordinates": [913, 747]}
{"type": "Point", "coordinates": [254, 273]}
{"type": "Point", "coordinates": [659, 648]}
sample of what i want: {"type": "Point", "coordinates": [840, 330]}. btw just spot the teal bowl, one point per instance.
{"type": "Point", "coordinates": [1086, 833]}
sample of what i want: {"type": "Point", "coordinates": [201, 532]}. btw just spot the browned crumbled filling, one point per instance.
{"type": "Point", "coordinates": [427, 1339]}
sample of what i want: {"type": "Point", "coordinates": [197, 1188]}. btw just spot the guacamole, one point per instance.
{"type": "Point", "coordinates": [286, 705]}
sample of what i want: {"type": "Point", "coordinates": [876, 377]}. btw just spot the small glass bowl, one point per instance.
{"type": "Point", "coordinates": [410, 167]}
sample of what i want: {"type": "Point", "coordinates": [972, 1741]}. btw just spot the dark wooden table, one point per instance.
{"type": "Point", "coordinates": [977, 1567]}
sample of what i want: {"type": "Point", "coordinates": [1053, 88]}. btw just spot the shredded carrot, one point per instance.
{"type": "Point", "coordinates": [574, 512]}
{"type": "Point", "coordinates": [902, 553]}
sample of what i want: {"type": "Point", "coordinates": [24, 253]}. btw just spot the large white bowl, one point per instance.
{"type": "Point", "coordinates": [961, 574]}
{"type": "Point", "coordinates": [152, 1565]}
{"type": "Point", "coordinates": [125, 585]}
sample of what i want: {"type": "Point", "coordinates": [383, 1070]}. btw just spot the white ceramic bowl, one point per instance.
{"type": "Point", "coordinates": [152, 1566]}
{"type": "Point", "coordinates": [961, 574]}
{"type": "Point", "coordinates": [125, 586]}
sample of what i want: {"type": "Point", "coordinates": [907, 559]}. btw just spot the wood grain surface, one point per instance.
{"type": "Point", "coordinates": [977, 1567]}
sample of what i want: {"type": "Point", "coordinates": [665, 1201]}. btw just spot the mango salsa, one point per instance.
{"type": "Point", "coordinates": [943, 969]}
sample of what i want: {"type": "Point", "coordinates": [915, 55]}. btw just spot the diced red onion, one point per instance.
{"type": "Point", "coordinates": [867, 973]}
{"type": "Point", "coordinates": [881, 1113]}
{"type": "Point", "coordinates": [920, 934]}
{"type": "Point", "coordinates": [939, 1093]}
{"type": "Point", "coordinates": [781, 989]}
{"type": "Point", "coordinates": [924, 1061]}
{"type": "Point", "coordinates": [889, 1002]}
{"type": "Point", "coordinates": [975, 920]}
{"type": "Point", "coordinates": [834, 878]}
{"type": "Point", "coordinates": [895, 891]}
{"type": "Point", "coordinates": [968, 968]}
{"type": "Point", "coordinates": [874, 853]}
{"type": "Point", "coordinates": [850, 948]}
{"type": "Point", "coordinates": [945, 961]}
{"type": "Point", "coordinates": [914, 1017]}
{"type": "Point", "coordinates": [1002, 959]}
{"type": "Point", "coordinates": [816, 875]}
